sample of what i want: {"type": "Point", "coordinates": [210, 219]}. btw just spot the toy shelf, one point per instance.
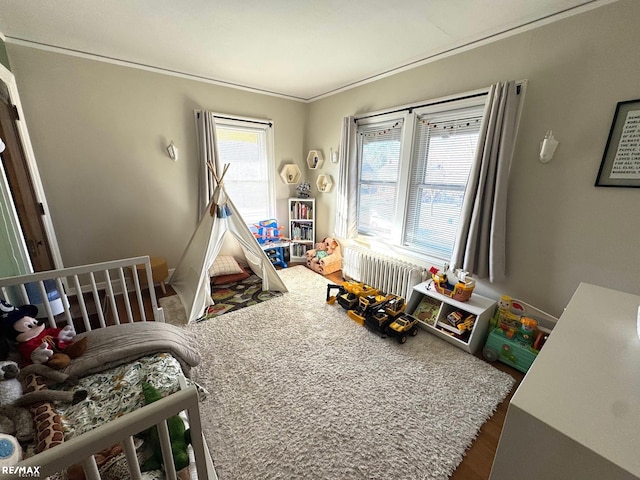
{"type": "Point", "coordinates": [302, 229]}
{"type": "Point", "coordinates": [433, 310]}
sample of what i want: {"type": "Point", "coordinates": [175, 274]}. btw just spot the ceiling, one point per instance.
{"type": "Point", "coordinates": [300, 49]}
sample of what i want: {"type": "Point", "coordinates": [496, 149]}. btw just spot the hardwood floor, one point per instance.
{"type": "Point", "coordinates": [477, 462]}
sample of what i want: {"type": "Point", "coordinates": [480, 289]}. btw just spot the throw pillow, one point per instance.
{"type": "Point", "coordinates": [224, 265]}
{"type": "Point", "coordinates": [231, 278]}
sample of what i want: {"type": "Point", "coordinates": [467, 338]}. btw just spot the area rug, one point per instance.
{"type": "Point", "coordinates": [298, 390]}
{"type": "Point", "coordinates": [234, 296]}
{"type": "Point", "coordinates": [173, 309]}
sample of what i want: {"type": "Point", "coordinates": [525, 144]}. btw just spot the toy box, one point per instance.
{"type": "Point", "coordinates": [517, 333]}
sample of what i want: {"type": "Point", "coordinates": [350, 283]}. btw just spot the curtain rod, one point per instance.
{"type": "Point", "coordinates": [239, 119]}
{"type": "Point", "coordinates": [428, 104]}
{"type": "Point", "coordinates": [412, 107]}
{"type": "Point", "coordinates": [243, 120]}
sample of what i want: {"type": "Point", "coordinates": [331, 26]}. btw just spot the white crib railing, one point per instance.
{"type": "Point", "coordinates": [93, 288]}
{"type": "Point", "coordinates": [80, 449]}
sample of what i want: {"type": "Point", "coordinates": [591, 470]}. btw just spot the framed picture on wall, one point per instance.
{"type": "Point", "coordinates": [620, 165]}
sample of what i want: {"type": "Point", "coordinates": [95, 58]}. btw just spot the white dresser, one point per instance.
{"type": "Point", "coordinates": [576, 414]}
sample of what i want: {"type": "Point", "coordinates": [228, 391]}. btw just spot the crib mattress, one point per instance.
{"type": "Point", "coordinates": [114, 393]}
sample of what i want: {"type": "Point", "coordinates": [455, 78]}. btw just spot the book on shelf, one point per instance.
{"type": "Point", "coordinates": [301, 211]}
{"type": "Point", "coordinates": [427, 310]}
{"type": "Point", "coordinates": [299, 249]}
{"type": "Point", "coordinates": [302, 232]}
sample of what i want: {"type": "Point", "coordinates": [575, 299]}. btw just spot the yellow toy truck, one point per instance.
{"type": "Point", "coordinates": [348, 293]}
{"type": "Point", "coordinates": [403, 326]}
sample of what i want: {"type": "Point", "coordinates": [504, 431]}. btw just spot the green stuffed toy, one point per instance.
{"type": "Point", "coordinates": [180, 437]}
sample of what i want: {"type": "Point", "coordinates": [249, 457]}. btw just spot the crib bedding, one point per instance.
{"type": "Point", "coordinates": [120, 344]}
{"type": "Point", "coordinates": [115, 392]}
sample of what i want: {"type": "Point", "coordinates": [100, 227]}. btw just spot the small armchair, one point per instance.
{"type": "Point", "coordinates": [326, 258]}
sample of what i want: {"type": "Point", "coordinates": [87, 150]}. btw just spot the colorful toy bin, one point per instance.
{"type": "Point", "coordinates": [517, 333]}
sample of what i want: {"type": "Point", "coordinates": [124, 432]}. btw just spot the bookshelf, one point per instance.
{"type": "Point", "coordinates": [302, 228]}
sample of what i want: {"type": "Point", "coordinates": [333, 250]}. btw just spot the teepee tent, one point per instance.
{"type": "Point", "coordinates": [191, 280]}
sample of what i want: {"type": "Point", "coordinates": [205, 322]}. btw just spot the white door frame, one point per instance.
{"type": "Point", "coordinates": [16, 231]}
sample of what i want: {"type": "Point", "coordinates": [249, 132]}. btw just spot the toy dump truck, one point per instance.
{"type": "Point", "coordinates": [348, 293]}
{"type": "Point", "coordinates": [379, 317]}
{"type": "Point", "coordinates": [367, 305]}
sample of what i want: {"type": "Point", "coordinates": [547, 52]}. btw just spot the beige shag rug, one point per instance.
{"type": "Point", "coordinates": [174, 312]}
{"type": "Point", "coordinates": [300, 391]}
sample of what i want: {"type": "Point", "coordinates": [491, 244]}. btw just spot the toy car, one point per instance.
{"type": "Point", "coordinates": [403, 326]}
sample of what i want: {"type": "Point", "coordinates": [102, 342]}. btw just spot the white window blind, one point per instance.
{"type": "Point", "coordinates": [245, 145]}
{"type": "Point", "coordinates": [379, 150]}
{"type": "Point", "coordinates": [443, 152]}
{"type": "Point", "coordinates": [414, 164]}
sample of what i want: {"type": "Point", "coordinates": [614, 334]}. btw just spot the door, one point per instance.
{"type": "Point", "coordinates": [30, 210]}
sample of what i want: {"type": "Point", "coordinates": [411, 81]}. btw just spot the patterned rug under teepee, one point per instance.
{"type": "Point", "coordinates": [234, 296]}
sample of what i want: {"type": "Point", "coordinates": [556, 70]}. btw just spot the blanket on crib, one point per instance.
{"type": "Point", "coordinates": [118, 344]}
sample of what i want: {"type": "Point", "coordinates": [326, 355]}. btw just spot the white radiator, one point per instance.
{"type": "Point", "coordinates": [380, 271]}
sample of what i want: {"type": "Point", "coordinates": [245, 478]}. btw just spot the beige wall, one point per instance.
{"type": "Point", "coordinates": [561, 229]}
{"type": "Point", "coordinates": [4, 59]}
{"type": "Point", "coordinates": [99, 132]}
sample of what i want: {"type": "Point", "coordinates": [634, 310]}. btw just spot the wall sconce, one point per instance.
{"type": "Point", "coordinates": [548, 147]}
{"type": "Point", "coordinates": [172, 150]}
{"type": "Point", "coordinates": [2, 146]}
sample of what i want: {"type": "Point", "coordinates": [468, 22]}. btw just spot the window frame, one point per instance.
{"type": "Point", "coordinates": [410, 115]}
{"type": "Point", "coordinates": [234, 121]}
{"type": "Point", "coordinates": [385, 119]}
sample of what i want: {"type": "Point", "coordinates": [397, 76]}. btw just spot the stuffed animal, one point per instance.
{"type": "Point", "coordinates": [325, 248]}
{"type": "Point", "coordinates": [51, 346]}
{"type": "Point", "coordinates": [180, 437]}
{"type": "Point", "coordinates": [14, 418]}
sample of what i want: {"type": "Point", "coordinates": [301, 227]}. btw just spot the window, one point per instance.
{"type": "Point", "coordinates": [379, 176]}
{"type": "Point", "coordinates": [413, 172]}
{"type": "Point", "coordinates": [247, 146]}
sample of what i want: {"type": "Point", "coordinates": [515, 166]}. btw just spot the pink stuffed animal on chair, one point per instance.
{"type": "Point", "coordinates": [326, 258]}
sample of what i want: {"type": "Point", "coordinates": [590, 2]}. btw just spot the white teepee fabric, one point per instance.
{"type": "Point", "coordinates": [190, 279]}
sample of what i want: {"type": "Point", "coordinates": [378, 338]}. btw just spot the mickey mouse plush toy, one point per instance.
{"type": "Point", "coordinates": [37, 344]}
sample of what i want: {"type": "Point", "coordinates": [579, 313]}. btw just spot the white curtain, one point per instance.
{"type": "Point", "coordinates": [480, 243]}
{"type": "Point", "coordinates": [207, 153]}
{"type": "Point", "coordinates": [347, 185]}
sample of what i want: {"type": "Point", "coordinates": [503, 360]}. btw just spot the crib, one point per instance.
{"type": "Point", "coordinates": [94, 297]}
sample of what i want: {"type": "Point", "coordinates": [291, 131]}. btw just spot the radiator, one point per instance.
{"type": "Point", "coordinates": [380, 271]}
